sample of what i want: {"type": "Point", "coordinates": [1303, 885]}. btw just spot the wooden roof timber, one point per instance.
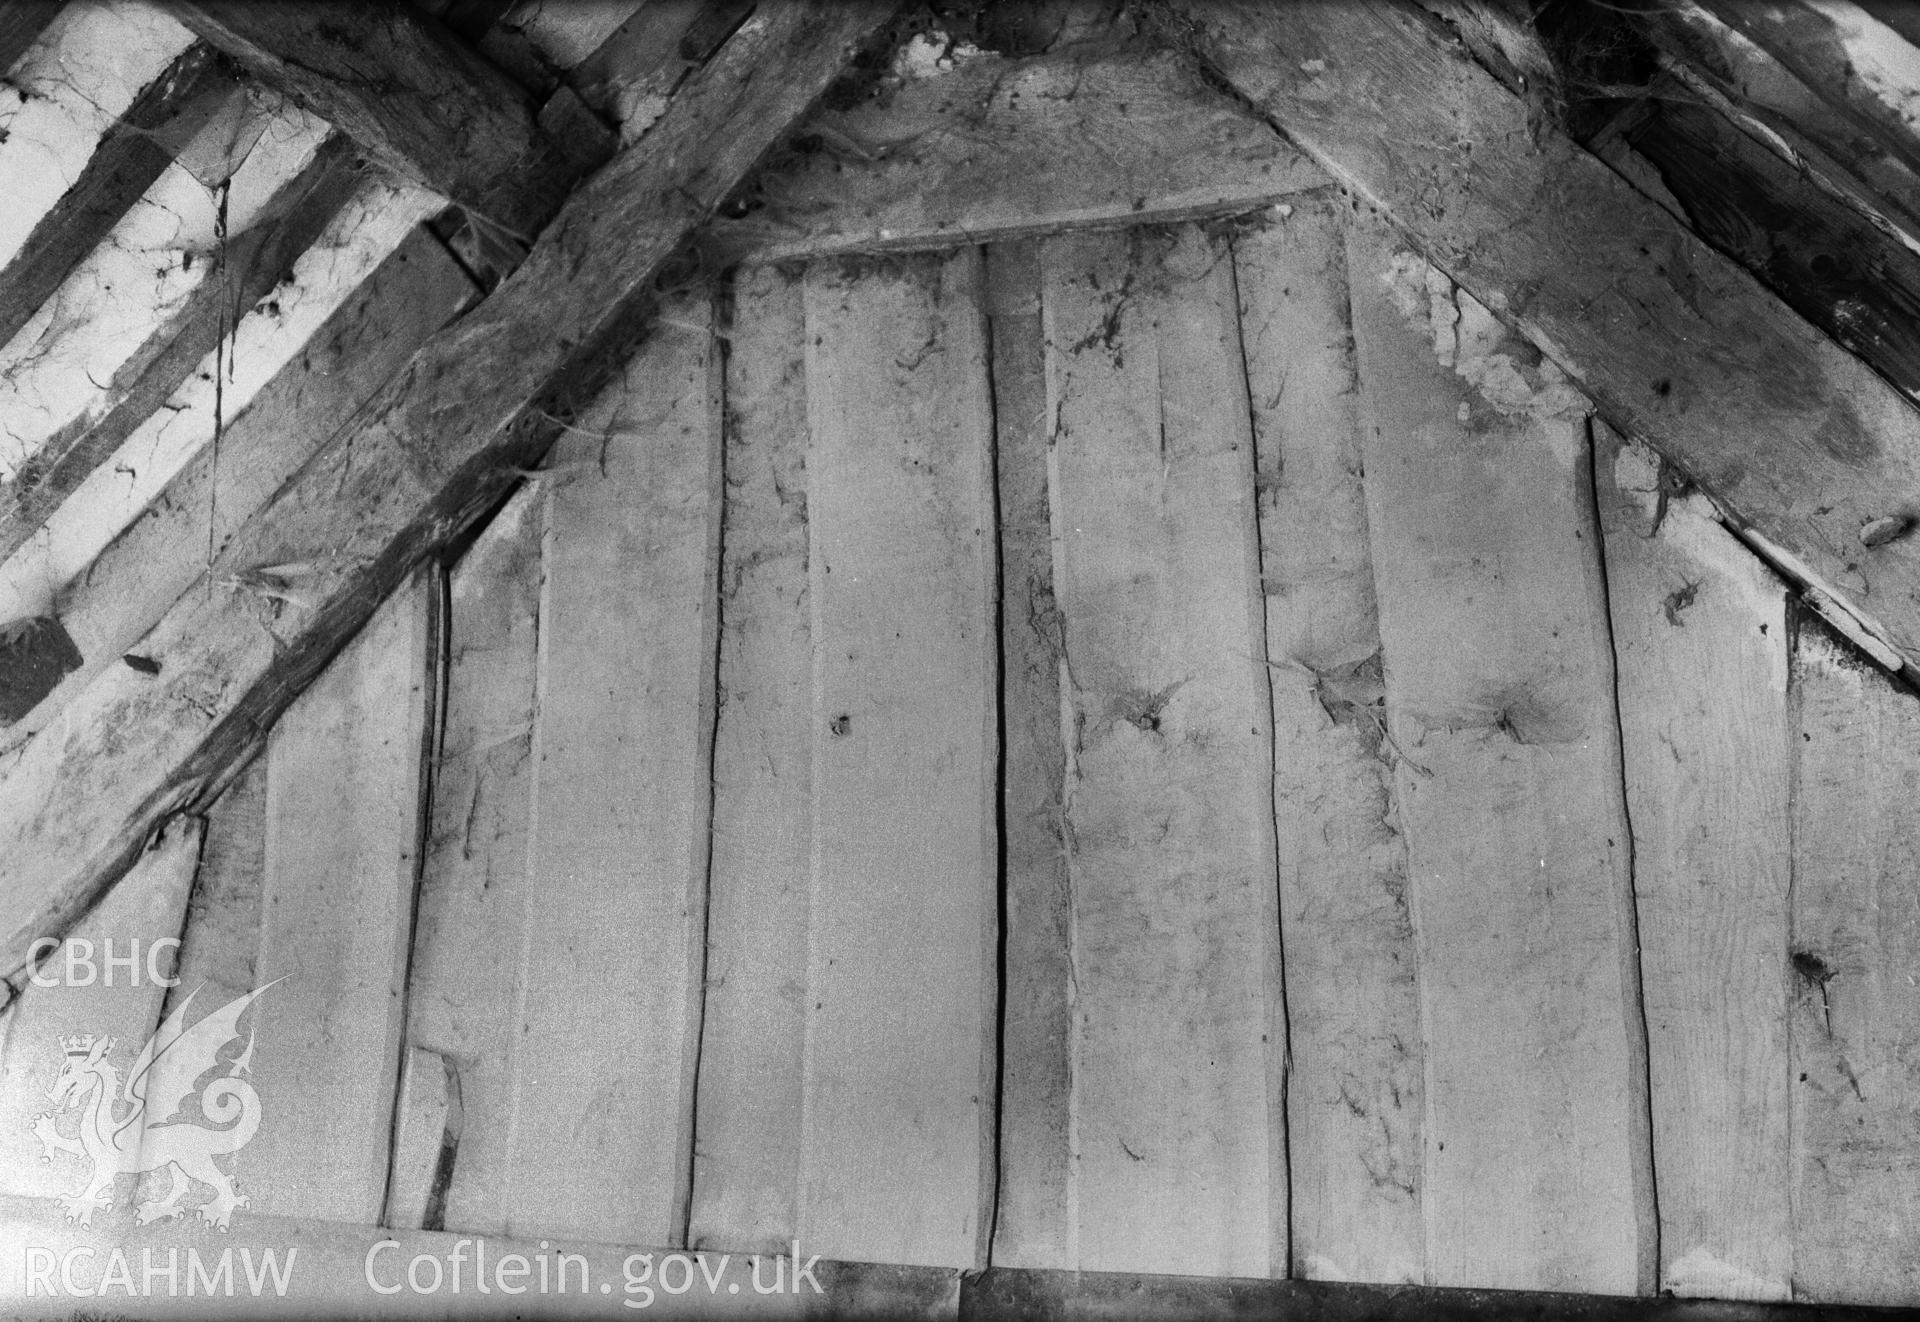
{"type": "Point", "coordinates": [78, 803]}
{"type": "Point", "coordinates": [303, 51]}
{"type": "Point", "coordinates": [131, 155]}
{"type": "Point", "coordinates": [411, 96]}
{"type": "Point", "coordinates": [644, 56]}
{"type": "Point", "coordinates": [1774, 105]}
{"type": "Point", "coordinates": [906, 172]}
{"type": "Point", "coordinates": [156, 559]}
{"type": "Point", "coordinates": [1800, 444]}
{"type": "Point", "coordinates": [240, 274]}
{"type": "Point", "coordinates": [1811, 41]}
{"type": "Point", "coordinates": [999, 149]}
{"type": "Point", "coordinates": [21, 23]}
{"type": "Point", "coordinates": [438, 445]}
{"type": "Point", "coordinates": [1827, 260]}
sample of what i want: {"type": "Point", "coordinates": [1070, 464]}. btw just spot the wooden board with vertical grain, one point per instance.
{"type": "Point", "coordinates": [1499, 688]}
{"type": "Point", "coordinates": [1032, 1224]}
{"type": "Point", "coordinates": [345, 797]}
{"type": "Point", "coordinates": [148, 905]}
{"type": "Point", "coordinates": [611, 957]}
{"type": "Point", "coordinates": [1177, 1051]}
{"type": "Point", "coordinates": [1700, 642]}
{"type": "Point", "coordinates": [1354, 1093]}
{"type": "Point", "coordinates": [221, 938]}
{"type": "Point", "coordinates": [747, 1161]}
{"type": "Point", "coordinates": [1855, 948]}
{"type": "Point", "coordinates": [421, 1114]}
{"type": "Point", "coordinates": [896, 1145]}
{"type": "Point", "coordinates": [476, 894]}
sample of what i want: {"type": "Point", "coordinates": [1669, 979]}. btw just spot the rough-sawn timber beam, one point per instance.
{"type": "Point", "coordinates": [1860, 67]}
{"type": "Point", "coordinates": [1801, 444]}
{"type": "Point", "coordinates": [996, 149]}
{"type": "Point", "coordinates": [21, 24]}
{"type": "Point", "coordinates": [1776, 107]}
{"type": "Point", "coordinates": [243, 272]}
{"type": "Point", "coordinates": [131, 155]}
{"type": "Point", "coordinates": [435, 448]}
{"type": "Point", "coordinates": [410, 96]}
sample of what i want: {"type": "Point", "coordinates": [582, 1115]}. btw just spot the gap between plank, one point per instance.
{"type": "Point", "coordinates": [438, 608]}
{"type": "Point", "coordinates": [1796, 610]}
{"type": "Point", "coordinates": [1647, 1172]}
{"type": "Point", "coordinates": [1278, 1013]}
{"type": "Point", "coordinates": [720, 351]}
{"type": "Point", "coordinates": [994, 1162]}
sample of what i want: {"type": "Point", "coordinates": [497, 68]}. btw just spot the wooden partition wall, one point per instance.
{"type": "Point", "coordinates": [1174, 750]}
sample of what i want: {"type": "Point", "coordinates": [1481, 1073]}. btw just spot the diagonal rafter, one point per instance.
{"type": "Point", "coordinates": [433, 450]}
{"type": "Point", "coordinates": [239, 274]}
{"type": "Point", "coordinates": [1863, 76]}
{"type": "Point", "coordinates": [21, 23]}
{"type": "Point", "coordinates": [412, 97]}
{"type": "Point", "coordinates": [131, 155]}
{"type": "Point", "coordinates": [1811, 456]}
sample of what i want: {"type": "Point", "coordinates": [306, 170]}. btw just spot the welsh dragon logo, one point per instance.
{"type": "Point", "coordinates": [132, 1130]}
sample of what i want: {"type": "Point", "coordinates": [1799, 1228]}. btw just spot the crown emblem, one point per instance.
{"type": "Point", "coordinates": [77, 1044]}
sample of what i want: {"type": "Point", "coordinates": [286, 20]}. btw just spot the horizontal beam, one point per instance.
{"type": "Point", "coordinates": [998, 149]}
{"type": "Point", "coordinates": [413, 98]}
{"type": "Point", "coordinates": [1793, 438]}
{"type": "Point", "coordinates": [432, 451]}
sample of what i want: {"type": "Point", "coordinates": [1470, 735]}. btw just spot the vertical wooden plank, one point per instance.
{"type": "Point", "coordinates": [92, 997]}
{"type": "Point", "coordinates": [897, 1137]}
{"type": "Point", "coordinates": [421, 1115]}
{"type": "Point", "coordinates": [1500, 712]}
{"type": "Point", "coordinates": [476, 894]}
{"type": "Point", "coordinates": [1032, 1225]}
{"type": "Point", "coordinates": [747, 1158]}
{"type": "Point", "coordinates": [1700, 641]}
{"type": "Point", "coordinates": [1354, 1095]}
{"type": "Point", "coordinates": [344, 804]}
{"type": "Point", "coordinates": [611, 955]}
{"type": "Point", "coordinates": [221, 940]}
{"type": "Point", "coordinates": [1179, 1159]}
{"type": "Point", "coordinates": [1854, 961]}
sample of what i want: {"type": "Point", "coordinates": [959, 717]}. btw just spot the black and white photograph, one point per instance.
{"type": "Point", "coordinates": [970, 660]}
